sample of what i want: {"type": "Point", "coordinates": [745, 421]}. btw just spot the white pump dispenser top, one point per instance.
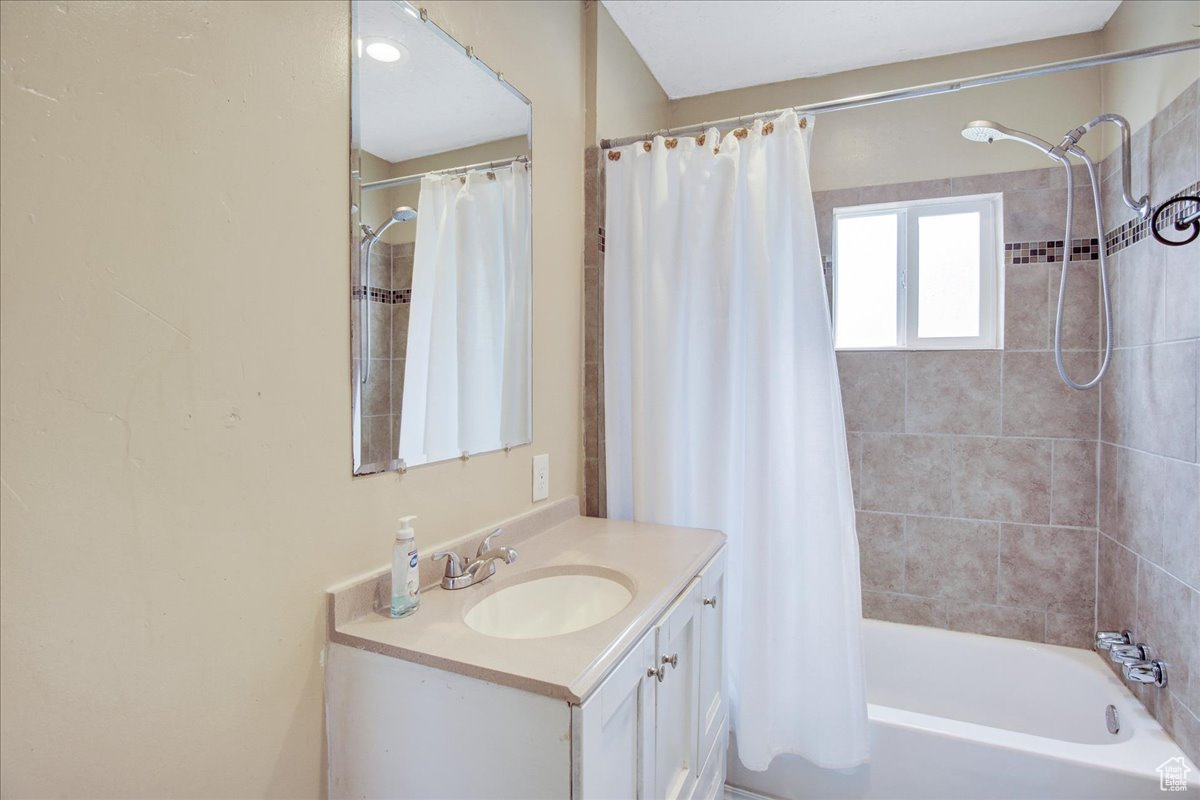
{"type": "Point", "coordinates": [405, 532]}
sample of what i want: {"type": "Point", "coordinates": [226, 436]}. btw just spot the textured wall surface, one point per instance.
{"type": "Point", "coordinates": [975, 470]}
{"type": "Point", "coordinates": [175, 403]}
{"type": "Point", "coordinates": [1149, 561]}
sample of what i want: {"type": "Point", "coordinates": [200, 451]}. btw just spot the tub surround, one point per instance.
{"type": "Point", "coordinates": [975, 470]}
{"type": "Point", "coordinates": [658, 561]}
{"type": "Point", "coordinates": [1149, 555]}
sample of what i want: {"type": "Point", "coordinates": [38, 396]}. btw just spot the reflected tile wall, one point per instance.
{"type": "Point", "coordinates": [389, 289]}
{"type": "Point", "coordinates": [1149, 554]}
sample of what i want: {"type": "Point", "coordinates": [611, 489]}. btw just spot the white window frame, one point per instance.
{"type": "Point", "coordinates": [991, 257]}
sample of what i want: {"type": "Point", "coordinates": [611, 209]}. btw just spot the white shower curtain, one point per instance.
{"type": "Point", "coordinates": [723, 410]}
{"type": "Point", "coordinates": [467, 364]}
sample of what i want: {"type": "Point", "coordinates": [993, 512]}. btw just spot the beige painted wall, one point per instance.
{"type": "Point", "coordinates": [628, 98]}
{"type": "Point", "coordinates": [920, 139]}
{"type": "Point", "coordinates": [175, 405]}
{"type": "Point", "coordinates": [1138, 90]}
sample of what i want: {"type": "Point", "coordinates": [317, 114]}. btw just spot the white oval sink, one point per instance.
{"type": "Point", "coordinates": [551, 603]}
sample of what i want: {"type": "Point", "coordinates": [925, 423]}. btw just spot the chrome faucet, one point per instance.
{"type": "Point", "coordinates": [462, 572]}
{"type": "Point", "coordinates": [1154, 672]}
{"type": "Point", "coordinates": [1105, 640]}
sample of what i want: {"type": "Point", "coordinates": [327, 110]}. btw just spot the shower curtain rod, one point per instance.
{"type": "Point", "coordinates": [388, 183]}
{"type": "Point", "coordinates": [942, 87]}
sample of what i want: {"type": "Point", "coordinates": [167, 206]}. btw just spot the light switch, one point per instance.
{"type": "Point", "coordinates": [541, 477]}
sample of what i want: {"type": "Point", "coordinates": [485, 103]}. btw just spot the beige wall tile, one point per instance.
{"type": "Point", "coordinates": [397, 387]}
{"type": "Point", "coordinates": [381, 329]}
{"type": "Point", "coordinates": [1038, 403]}
{"type": "Point", "coordinates": [1073, 483]}
{"type": "Point", "coordinates": [854, 451]}
{"type": "Point", "coordinates": [881, 550]}
{"type": "Point", "coordinates": [1160, 415]}
{"type": "Point", "coordinates": [1048, 568]}
{"type": "Point", "coordinates": [379, 438]}
{"type": "Point", "coordinates": [1167, 612]}
{"type": "Point", "coordinates": [1027, 312]}
{"type": "Point", "coordinates": [1002, 479]}
{"type": "Point", "coordinates": [1174, 161]}
{"type": "Point", "coordinates": [1181, 522]}
{"type": "Point", "coordinates": [1081, 309]}
{"type": "Point", "coordinates": [954, 392]}
{"type": "Point", "coordinates": [904, 608]}
{"type": "Point", "coordinates": [1141, 481]}
{"type": "Point", "coordinates": [872, 390]}
{"type": "Point", "coordinates": [907, 474]}
{"type": "Point", "coordinates": [1183, 725]}
{"type": "Point", "coordinates": [1109, 489]}
{"type": "Point", "coordinates": [1116, 604]}
{"type": "Point", "coordinates": [951, 558]}
{"type": "Point", "coordinates": [1182, 291]}
{"type": "Point", "coordinates": [1035, 215]}
{"type": "Point", "coordinates": [400, 317]}
{"type": "Point", "coordinates": [1070, 630]}
{"type": "Point", "coordinates": [378, 389]}
{"type": "Point", "coordinates": [1139, 294]}
{"type": "Point", "coordinates": [1014, 623]}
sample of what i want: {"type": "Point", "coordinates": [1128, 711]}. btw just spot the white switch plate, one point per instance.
{"type": "Point", "coordinates": [541, 477]}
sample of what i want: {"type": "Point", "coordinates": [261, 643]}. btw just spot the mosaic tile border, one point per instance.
{"type": "Point", "coordinates": [1017, 253]}
{"type": "Point", "coordinates": [1050, 251]}
{"type": "Point", "coordinates": [389, 297]}
{"type": "Point", "coordinates": [1134, 230]}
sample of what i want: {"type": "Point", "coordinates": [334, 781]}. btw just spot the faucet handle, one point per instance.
{"type": "Point", "coordinates": [454, 566]}
{"type": "Point", "coordinates": [1154, 672]}
{"type": "Point", "coordinates": [1130, 653]}
{"type": "Point", "coordinates": [1105, 640]}
{"type": "Point", "coordinates": [486, 544]}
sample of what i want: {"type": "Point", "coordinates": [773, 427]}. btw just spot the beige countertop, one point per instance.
{"type": "Point", "coordinates": [658, 560]}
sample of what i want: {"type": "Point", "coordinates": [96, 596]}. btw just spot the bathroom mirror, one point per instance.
{"type": "Point", "coordinates": [441, 263]}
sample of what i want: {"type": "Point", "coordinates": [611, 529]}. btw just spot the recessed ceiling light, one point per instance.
{"type": "Point", "coordinates": [385, 50]}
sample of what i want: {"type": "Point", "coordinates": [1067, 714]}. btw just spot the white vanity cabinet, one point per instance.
{"type": "Point", "coordinates": [655, 726]}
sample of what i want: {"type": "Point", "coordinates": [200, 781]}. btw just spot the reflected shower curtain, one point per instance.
{"type": "Point", "coordinates": [723, 410]}
{"type": "Point", "coordinates": [467, 363]}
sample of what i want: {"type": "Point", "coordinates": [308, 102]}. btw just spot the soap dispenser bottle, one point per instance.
{"type": "Point", "coordinates": [406, 579]}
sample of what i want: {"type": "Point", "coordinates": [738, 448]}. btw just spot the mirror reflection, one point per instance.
{"type": "Point", "coordinates": [441, 269]}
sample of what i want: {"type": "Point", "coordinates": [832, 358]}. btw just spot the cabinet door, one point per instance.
{"type": "Point", "coordinates": [613, 732]}
{"type": "Point", "coordinates": [712, 653]}
{"type": "Point", "coordinates": [676, 697]}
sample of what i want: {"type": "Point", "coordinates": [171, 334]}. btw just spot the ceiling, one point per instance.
{"type": "Point", "coordinates": [696, 47]}
{"type": "Point", "coordinates": [436, 100]}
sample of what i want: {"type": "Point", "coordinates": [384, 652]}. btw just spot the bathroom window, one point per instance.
{"type": "Point", "coordinates": [918, 275]}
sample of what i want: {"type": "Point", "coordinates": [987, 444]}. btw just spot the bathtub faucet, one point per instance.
{"type": "Point", "coordinates": [1130, 653]}
{"type": "Point", "coordinates": [1154, 672]}
{"type": "Point", "coordinates": [1106, 639]}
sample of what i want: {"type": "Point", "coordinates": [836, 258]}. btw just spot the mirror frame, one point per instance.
{"type": "Point", "coordinates": [422, 14]}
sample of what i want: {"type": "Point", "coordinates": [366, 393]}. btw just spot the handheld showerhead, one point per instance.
{"type": "Point", "coordinates": [401, 214]}
{"type": "Point", "coordinates": [984, 130]}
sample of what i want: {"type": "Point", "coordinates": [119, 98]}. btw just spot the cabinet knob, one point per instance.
{"type": "Point", "coordinates": [672, 659]}
{"type": "Point", "coordinates": [660, 673]}
{"type": "Point", "coordinates": [711, 601]}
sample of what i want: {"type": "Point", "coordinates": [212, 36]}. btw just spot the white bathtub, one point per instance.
{"type": "Point", "coordinates": [961, 716]}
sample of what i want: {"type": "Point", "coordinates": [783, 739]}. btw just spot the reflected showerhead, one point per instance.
{"type": "Point", "coordinates": [984, 130]}
{"type": "Point", "coordinates": [401, 214]}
